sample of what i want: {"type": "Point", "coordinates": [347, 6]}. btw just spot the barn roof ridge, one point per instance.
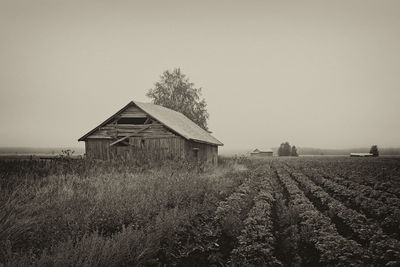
{"type": "Point", "coordinates": [173, 120]}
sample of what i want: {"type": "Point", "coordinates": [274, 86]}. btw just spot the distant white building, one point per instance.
{"type": "Point", "coordinates": [262, 153]}
{"type": "Point", "coordinates": [361, 155]}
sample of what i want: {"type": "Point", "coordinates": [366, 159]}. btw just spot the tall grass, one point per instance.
{"type": "Point", "coordinates": [74, 213]}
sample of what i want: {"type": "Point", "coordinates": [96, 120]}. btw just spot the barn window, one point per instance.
{"type": "Point", "coordinates": [132, 120]}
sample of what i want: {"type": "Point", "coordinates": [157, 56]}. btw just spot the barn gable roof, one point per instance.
{"type": "Point", "coordinates": [173, 120]}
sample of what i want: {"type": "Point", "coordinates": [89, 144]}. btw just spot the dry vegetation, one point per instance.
{"type": "Point", "coordinates": [275, 212]}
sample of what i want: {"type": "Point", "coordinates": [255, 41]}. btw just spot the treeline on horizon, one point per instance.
{"type": "Point", "coordinates": [320, 151]}
{"type": "Point", "coordinates": [41, 150]}
{"type": "Point", "coordinates": [300, 150]}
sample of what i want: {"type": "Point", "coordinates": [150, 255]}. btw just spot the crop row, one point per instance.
{"type": "Point", "coordinates": [256, 242]}
{"type": "Point", "coordinates": [286, 222]}
{"type": "Point", "coordinates": [387, 214]}
{"type": "Point", "coordinates": [381, 174]}
{"type": "Point", "coordinates": [231, 214]}
{"type": "Point", "coordinates": [318, 230]}
{"type": "Point", "coordinates": [367, 190]}
{"type": "Point", "coordinates": [350, 223]}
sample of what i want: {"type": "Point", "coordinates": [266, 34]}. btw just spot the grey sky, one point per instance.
{"type": "Point", "coordinates": [314, 73]}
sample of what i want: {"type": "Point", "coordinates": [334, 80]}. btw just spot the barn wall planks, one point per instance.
{"type": "Point", "coordinates": [98, 149]}
{"type": "Point", "coordinates": [115, 130]}
{"type": "Point", "coordinates": [153, 149]}
{"type": "Point", "coordinates": [201, 152]}
{"type": "Point", "coordinates": [157, 148]}
{"type": "Point", "coordinates": [132, 112]}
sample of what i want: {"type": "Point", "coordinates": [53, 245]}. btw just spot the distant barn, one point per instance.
{"type": "Point", "coordinates": [361, 155]}
{"type": "Point", "coordinates": [142, 131]}
{"type": "Point", "coordinates": [262, 153]}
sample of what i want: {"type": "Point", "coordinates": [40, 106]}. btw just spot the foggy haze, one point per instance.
{"type": "Point", "coordinates": [314, 73]}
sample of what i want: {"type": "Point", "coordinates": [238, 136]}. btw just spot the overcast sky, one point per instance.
{"type": "Point", "coordinates": [315, 73]}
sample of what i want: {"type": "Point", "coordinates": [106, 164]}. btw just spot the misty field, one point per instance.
{"type": "Point", "coordinates": [314, 211]}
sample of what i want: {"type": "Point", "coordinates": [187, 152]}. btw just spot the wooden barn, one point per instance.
{"type": "Point", "coordinates": [145, 131]}
{"type": "Point", "coordinates": [262, 153]}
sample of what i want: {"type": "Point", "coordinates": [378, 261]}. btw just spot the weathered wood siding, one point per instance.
{"type": "Point", "coordinates": [205, 153]}
{"type": "Point", "coordinates": [151, 141]}
{"type": "Point", "coordinates": [153, 149]}
{"type": "Point", "coordinates": [114, 130]}
{"type": "Point", "coordinates": [98, 149]}
{"type": "Point", "coordinates": [132, 112]}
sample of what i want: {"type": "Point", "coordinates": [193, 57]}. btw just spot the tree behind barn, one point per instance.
{"type": "Point", "coordinates": [175, 91]}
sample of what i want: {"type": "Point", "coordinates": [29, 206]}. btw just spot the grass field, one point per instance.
{"type": "Point", "coordinates": [310, 211]}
